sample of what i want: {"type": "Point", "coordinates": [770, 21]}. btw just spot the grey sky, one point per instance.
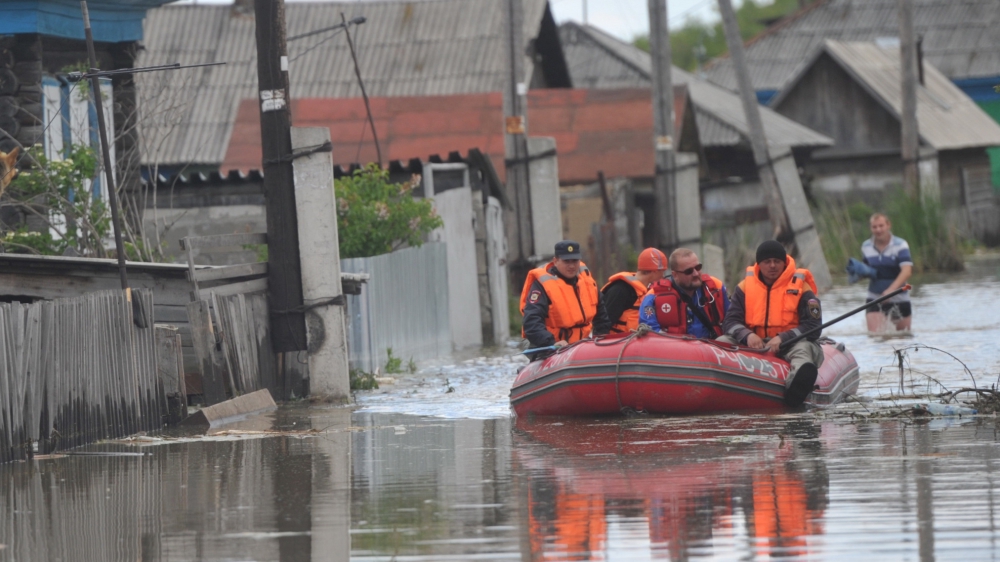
{"type": "Point", "coordinates": [628, 18]}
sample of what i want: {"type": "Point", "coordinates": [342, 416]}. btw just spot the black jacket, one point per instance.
{"type": "Point", "coordinates": [536, 312]}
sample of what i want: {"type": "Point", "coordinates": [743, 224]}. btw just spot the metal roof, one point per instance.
{"type": "Point", "coordinates": [430, 47]}
{"type": "Point", "coordinates": [960, 37]}
{"type": "Point", "coordinates": [946, 117]}
{"type": "Point", "coordinates": [598, 60]}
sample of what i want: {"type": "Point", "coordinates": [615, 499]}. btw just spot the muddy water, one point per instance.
{"type": "Point", "coordinates": [433, 468]}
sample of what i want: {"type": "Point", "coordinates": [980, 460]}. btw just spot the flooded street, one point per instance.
{"type": "Point", "coordinates": [433, 468]}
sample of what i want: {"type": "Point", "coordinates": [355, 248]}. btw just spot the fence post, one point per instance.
{"type": "Point", "coordinates": [316, 205]}
{"type": "Point", "coordinates": [203, 338]}
{"type": "Point", "coordinates": [170, 367]}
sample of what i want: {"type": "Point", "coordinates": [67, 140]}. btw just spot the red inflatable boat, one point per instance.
{"type": "Point", "coordinates": [661, 374]}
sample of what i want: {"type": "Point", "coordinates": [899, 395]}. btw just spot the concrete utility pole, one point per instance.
{"type": "Point", "coordinates": [775, 207]}
{"type": "Point", "coordinates": [909, 131]}
{"type": "Point", "coordinates": [664, 182]}
{"type": "Point", "coordinates": [519, 229]}
{"type": "Point", "coordinates": [316, 202]}
{"type": "Point", "coordinates": [284, 279]}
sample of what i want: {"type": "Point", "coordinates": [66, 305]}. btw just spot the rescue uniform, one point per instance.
{"type": "Point", "coordinates": [622, 295]}
{"type": "Point", "coordinates": [556, 308]}
{"type": "Point", "coordinates": [786, 309]}
{"type": "Point", "coordinates": [663, 308]}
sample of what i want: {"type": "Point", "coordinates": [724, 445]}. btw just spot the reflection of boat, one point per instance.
{"type": "Point", "coordinates": [720, 484]}
{"type": "Point", "coordinates": [669, 375]}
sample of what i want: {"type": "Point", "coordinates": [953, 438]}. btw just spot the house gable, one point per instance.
{"type": "Point", "coordinates": [828, 99]}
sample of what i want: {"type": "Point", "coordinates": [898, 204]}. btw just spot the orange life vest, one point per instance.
{"type": "Point", "coordinates": [671, 311]}
{"type": "Point", "coordinates": [571, 308]}
{"type": "Point", "coordinates": [630, 318]}
{"type": "Point", "coordinates": [771, 311]}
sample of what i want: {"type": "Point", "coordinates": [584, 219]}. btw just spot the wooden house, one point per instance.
{"type": "Point", "coordinates": [41, 42]}
{"type": "Point", "coordinates": [851, 92]}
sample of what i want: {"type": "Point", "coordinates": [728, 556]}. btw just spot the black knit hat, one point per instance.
{"type": "Point", "coordinates": [771, 249]}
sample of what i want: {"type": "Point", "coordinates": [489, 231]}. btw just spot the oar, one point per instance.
{"type": "Point", "coordinates": [843, 316]}
{"type": "Point", "coordinates": [538, 349]}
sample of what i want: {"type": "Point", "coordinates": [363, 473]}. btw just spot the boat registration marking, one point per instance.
{"type": "Point", "coordinates": [750, 364]}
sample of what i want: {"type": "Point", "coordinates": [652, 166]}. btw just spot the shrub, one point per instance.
{"type": "Point", "coordinates": [54, 193]}
{"type": "Point", "coordinates": [375, 216]}
{"type": "Point", "coordinates": [934, 244]}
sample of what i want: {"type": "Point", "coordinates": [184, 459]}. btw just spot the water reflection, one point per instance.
{"type": "Point", "coordinates": [667, 489]}
{"type": "Point", "coordinates": [330, 485]}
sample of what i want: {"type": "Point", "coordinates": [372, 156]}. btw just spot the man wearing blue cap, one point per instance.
{"type": "Point", "coordinates": [560, 301]}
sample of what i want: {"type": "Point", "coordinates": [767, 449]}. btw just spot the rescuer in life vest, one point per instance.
{"type": "Point", "coordinates": [624, 291]}
{"type": "Point", "coordinates": [776, 302]}
{"type": "Point", "coordinates": [560, 302]}
{"type": "Point", "coordinates": [687, 302]}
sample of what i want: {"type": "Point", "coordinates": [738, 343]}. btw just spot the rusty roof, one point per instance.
{"type": "Point", "coordinates": [606, 130]}
{"type": "Point", "coordinates": [431, 47]}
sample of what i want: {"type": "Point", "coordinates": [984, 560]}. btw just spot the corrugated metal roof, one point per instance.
{"type": "Point", "coordinates": [431, 47]}
{"type": "Point", "coordinates": [946, 117]}
{"type": "Point", "coordinates": [961, 37]}
{"type": "Point", "coordinates": [598, 60]}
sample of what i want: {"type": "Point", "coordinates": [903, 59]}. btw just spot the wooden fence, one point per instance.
{"type": "Point", "coordinates": [74, 371]}
{"type": "Point", "coordinates": [230, 325]}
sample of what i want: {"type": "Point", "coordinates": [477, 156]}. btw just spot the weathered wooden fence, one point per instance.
{"type": "Point", "coordinates": [74, 371]}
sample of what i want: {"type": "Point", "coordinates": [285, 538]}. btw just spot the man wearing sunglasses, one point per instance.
{"type": "Point", "coordinates": [688, 302]}
{"type": "Point", "coordinates": [776, 302]}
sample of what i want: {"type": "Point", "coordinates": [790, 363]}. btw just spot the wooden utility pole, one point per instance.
{"type": "Point", "coordinates": [520, 231]}
{"type": "Point", "coordinates": [102, 127]}
{"type": "Point", "coordinates": [909, 132]}
{"type": "Point", "coordinates": [664, 181]}
{"type": "Point", "coordinates": [775, 207]}
{"type": "Point", "coordinates": [284, 277]}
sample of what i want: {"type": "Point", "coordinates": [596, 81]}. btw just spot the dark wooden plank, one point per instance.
{"type": "Point", "coordinates": [253, 286]}
{"type": "Point", "coordinates": [203, 337]}
{"type": "Point", "coordinates": [230, 271]}
{"type": "Point", "coordinates": [169, 314]}
{"type": "Point", "coordinates": [199, 242]}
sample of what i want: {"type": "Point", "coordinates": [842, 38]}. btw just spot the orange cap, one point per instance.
{"type": "Point", "coordinates": [652, 259]}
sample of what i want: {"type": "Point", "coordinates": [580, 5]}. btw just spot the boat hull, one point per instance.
{"type": "Point", "coordinates": [662, 374]}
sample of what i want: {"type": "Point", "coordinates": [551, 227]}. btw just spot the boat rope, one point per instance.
{"type": "Point", "coordinates": [639, 332]}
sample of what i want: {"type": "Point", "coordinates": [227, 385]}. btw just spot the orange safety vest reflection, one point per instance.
{"type": "Point", "coordinates": [780, 513]}
{"type": "Point", "coordinates": [571, 309]}
{"type": "Point", "coordinates": [572, 525]}
{"type": "Point", "coordinates": [771, 311]}
{"type": "Point", "coordinates": [630, 318]}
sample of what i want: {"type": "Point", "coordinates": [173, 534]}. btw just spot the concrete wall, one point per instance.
{"type": "Point", "coordinates": [545, 206]}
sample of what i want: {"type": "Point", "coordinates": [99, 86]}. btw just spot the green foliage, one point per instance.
{"type": "Point", "coordinates": [393, 365]}
{"type": "Point", "coordinates": [411, 366]}
{"type": "Point", "coordinates": [514, 313]}
{"type": "Point", "coordinates": [54, 191]}
{"type": "Point", "coordinates": [376, 216]}
{"type": "Point", "coordinates": [259, 251]}
{"type": "Point", "coordinates": [934, 244]}
{"type": "Point", "coordinates": [361, 380]}
{"type": "Point", "coordinates": [696, 42]}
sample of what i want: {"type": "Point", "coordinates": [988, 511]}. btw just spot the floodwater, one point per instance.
{"type": "Point", "coordinates": [433, 468]}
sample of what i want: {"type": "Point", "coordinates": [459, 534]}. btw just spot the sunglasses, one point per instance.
{"type": "Point", "coordinates": [689, 270]}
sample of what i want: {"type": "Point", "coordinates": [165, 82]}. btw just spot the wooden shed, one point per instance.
{"type": "Point", "coordinates": [851, 92]}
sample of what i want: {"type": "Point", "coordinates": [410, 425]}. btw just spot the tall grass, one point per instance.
{"type": "Point", "coordinates": [934, 244]}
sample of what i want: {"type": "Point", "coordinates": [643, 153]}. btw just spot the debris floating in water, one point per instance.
{"type": "Point", "coordinates": [938, 409]}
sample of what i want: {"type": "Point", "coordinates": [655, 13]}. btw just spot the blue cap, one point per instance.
{"type": "Point", "coordinates": [568, 250]}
